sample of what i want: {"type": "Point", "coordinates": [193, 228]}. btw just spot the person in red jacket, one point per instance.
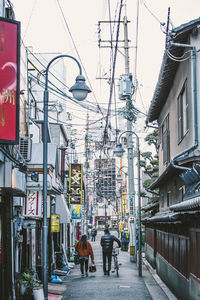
{"type": "Point", "coordinates": [84, 249]}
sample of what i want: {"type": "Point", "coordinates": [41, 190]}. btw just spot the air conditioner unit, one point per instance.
{"type": "Point", "coordinates": [25, 147]}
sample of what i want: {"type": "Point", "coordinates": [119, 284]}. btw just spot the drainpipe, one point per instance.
{"type": "Point", "coordinates": [196, 141]}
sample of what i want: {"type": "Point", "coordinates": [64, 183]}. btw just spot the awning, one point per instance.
{"type": "Point", "coordinates": [62, 209]}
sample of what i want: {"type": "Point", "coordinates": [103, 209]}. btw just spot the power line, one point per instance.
{"type": "Point", "coordinates": [113, 74]}
{"type": "Point", "coordinates": [67, 26]}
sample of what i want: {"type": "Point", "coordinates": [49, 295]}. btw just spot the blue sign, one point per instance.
{"type": "Point", "coordinates": [76, 212]}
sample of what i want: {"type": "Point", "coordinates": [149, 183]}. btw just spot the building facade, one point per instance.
{"type": "Point", "coordinates": [173, 234]}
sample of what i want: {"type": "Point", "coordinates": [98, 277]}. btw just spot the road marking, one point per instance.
{"type": "Point", "coordinates": [125, 286]}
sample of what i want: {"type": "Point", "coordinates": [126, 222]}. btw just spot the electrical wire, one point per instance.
{"type": "Point", "coordinates": [31, 15]}
{"type": "Point", "coordinates": [68, 29]}
{"type": "Point", "coordinates": [113, 75]}
{"type": "Point", "coordinates": [155, 17]}
{"type": "Point", "coordinates": [181, 58]}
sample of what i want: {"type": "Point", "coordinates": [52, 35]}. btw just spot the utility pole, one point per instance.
{"type": "Point", "coordinates": [131, 188]}
{"type": "Point", "coordinates": [86, 173]}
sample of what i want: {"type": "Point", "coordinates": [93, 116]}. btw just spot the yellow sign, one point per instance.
{"type": "Point", "coordinates": [124, 203]}
{"type": "Point", "coordinates": [121, 225]}
{"type": "Point", "coordinates": [132, 250]}
{"type": "Point", "coordinates": [55, 223]}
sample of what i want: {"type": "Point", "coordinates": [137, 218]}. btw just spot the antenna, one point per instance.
{"type": "Point", "coordinates": [167, 29]}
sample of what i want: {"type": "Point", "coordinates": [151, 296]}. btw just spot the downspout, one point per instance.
{"type": "Point", "coordinates": [196, 142]}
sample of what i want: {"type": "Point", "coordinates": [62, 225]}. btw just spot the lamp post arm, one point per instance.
{"type": "Point", "coordinates": [57, 57]}
{"type": "Point", "coordinates": [128, 131]}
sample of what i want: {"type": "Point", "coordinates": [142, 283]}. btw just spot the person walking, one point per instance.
{"type": "Point", "coordinates": [84, 249]}
{"type": "Point", "coordinates": [93, 234]}
{"type": "Point", "coordinates": [107, 241]}
{"type": "Point", "coordinates": [125, 239]}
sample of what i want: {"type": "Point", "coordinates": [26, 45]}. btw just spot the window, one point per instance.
{"type": "Point", "coordinates": [166, 140]}
{"type": "Point", "coordinates": [182, 107]}
{"type": "Point", "coordinates": [181, 193]}
{"type": "Point", "coordinates": [162, 200]}
{"type": "Point", "coordinates": [169, 198]}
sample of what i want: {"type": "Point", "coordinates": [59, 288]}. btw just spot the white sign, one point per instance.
{"type": "Point", "coordinates": [33, 205]}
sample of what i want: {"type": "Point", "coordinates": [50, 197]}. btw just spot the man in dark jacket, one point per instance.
{"type": "Point", "coordinates": [93, 234]}
{"type": "Point", "coordinates": [107, 246]}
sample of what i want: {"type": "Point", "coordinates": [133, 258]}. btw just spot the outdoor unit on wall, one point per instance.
{"type": "Point", "coordinates": [25, 147]}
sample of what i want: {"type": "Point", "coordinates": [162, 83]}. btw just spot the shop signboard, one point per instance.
{"type": "Point", "coordinates": [9, 74]}
{"type": "Point", "coordinates": [33, 207]}
{"type": "Point", "coordinates": [124, 202]}
{"type": "Point", "coordinates": [55, 223]}
{"type": "Point", "coordinates": [76, 212]}
{"type": "Point", "coordinates": [131, 205]}
{"type": "Point", "coordinates": [75, 183]}
{"type": "Point", "coordinates": [121, 226]}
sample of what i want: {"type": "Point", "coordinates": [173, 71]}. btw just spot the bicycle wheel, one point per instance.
{"type": "Point", "coordinates": [117, 267]}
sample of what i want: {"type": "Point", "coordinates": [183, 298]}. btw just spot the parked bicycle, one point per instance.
{"type": "Point", "coordinates": [115, 254]}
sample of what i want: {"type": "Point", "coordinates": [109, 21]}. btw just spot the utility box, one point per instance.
{"type": "Point", "coordinates": [125, 86]}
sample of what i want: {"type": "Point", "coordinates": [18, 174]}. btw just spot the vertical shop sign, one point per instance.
{"type": "Point", "coordinates": [76, 212]}
{"type": "Point", "coordinates": [75, 183]}
{"type": "Point", "coordinates": [124, 203]}
{"type": "Point", "coordinates": [55, 223]}
{"type": "Point", "coordinates": [131, 205]}
{"type": "Point", "coordinates": [33, 204]}
{"type": "Point", "coordinates": [9, 81]}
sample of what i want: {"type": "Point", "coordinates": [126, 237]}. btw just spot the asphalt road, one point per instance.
{"type": "Point", "coordinates": [97, 286]}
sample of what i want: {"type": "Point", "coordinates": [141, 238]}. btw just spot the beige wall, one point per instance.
{"type": "Point", "coordinates": [185, 71]}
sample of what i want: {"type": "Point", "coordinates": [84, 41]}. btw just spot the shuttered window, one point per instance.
{"type": "Point", "coordinates": [182, 109]}
{"type": "Point", "coordinates": [166, 140]}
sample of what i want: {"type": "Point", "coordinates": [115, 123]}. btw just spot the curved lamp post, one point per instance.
{"type": "Point", "coordinates": [119, 180]}
{"type": "Point", "coordinates": [80, 91]}
{"type": "Point", "coordinates": [119, 153]}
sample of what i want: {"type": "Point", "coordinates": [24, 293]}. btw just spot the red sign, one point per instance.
{"type": "Point", "coordinates": [9, 81]}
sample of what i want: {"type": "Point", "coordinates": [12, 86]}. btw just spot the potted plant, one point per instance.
{"type": "Point", "coordinates": [31, 287]}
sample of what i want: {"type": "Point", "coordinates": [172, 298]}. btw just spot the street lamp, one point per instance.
{"type": "Point", "coordinates": [79, 91]}
{"type": "Point", "coordinates": [119, 153]}
{"type": "Point", "coordinates": [119, 180]}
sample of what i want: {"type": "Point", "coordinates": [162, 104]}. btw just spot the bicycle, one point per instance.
{"type": "Point", "coordinates": [115, 254]}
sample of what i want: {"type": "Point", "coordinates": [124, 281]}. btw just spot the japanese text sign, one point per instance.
{"type": "Point", "coordinates": [76, 212]}
{"type": "Point", "coordinates": [75, 183]}
{"type": "Point", "coordinates": [9, 81]}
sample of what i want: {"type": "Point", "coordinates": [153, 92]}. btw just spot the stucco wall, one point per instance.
{"type": "Point", "coordinates": [184, 72]}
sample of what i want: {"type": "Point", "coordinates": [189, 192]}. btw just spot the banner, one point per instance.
{"type": "Point", "coordinates": [9, 78]}
{"type": "Point", "coordinates": [75, 183]}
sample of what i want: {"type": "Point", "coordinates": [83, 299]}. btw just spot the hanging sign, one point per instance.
{"type": "Point", "coordinates": [9, 78]}
{"type": "Point", "coordinates": [75, 183]}
{"type": "Point", "coordinates": [121, 225]}
{"type": "Point", "coordinates": [33, 207]}
{"type": "Point", "coordinates": [55, 223]}
{"type": "Point", "coordinates": [76, 212]}
{"type": "Point", "coordinates": [131, 205]}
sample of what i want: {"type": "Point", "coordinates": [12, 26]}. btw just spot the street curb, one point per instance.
{"type": "Point", "coordinates": [159, 281]}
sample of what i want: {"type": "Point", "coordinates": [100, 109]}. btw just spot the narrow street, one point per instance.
{"type": "Point", "coordinates": [98, 286]}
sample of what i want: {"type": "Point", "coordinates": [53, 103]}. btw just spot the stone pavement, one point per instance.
{"type": "Point", "coordinates": [128, 286]}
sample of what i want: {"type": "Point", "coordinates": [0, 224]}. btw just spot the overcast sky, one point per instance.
{"type": "Point", "coordinates": [44, 28]}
